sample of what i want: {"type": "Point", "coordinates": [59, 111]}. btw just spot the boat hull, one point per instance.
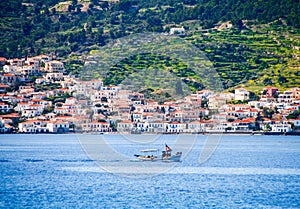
{"type": "Point", "coordinates": [174, 158]}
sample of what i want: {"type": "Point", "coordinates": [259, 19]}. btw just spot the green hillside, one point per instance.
{"type": "Point", "coordinates": [259, 55]}
{"type": "Point", "coordinates": [254, 57]}
{"type": "Point", "coordinates": [262, 47]}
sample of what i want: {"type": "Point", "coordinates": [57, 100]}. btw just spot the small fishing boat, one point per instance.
{"type": "Point", "coordinates": [153, 155]}
{"type": "Point", "coordinates": [148, 155]}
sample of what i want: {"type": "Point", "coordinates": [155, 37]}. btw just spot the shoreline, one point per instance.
{"type": "Point", "coordinates": [293, 133]}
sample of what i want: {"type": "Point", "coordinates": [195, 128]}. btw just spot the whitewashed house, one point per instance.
{"type": "Point", "coordinates": [54, 66]}
{"type": "Point", "coordinates": [241, 94]}
{"type": "Point", "coordinates": [285, 97]}
{"type": "Point", "coordinates": [58, 126]}
{"type": "Point", "coordinates": [196, 126]}
{"type": "Point", "coordinates": [156, 127]}
{"type": "Point", "coordinates": [33, 126]}
{"type": "Point", "coordinates": [176, 127]}
{"type": "Point", "coordinates": [125, 126]}
{"type": "Point", "coordinates": [4, 108]}
{"type": "Point", "coordinates": [281, 127]}
{"type": "Point", "coordinates": [10, 68]}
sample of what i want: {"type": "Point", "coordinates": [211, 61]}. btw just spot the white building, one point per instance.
{"type": "Point", "coordinates": [32, 111]}
{"type": "Point", "coordinates": [8, 78]}
{"type": "Point", "coordinates": [88, 87]}
{"type": "Point", "coordinates": [29, 110]}
{"type": "Point", "coordinates": [285, 97]}
{"type": "Point", "coordinates": [176, 127]}
{"type": "Point", "coordinates": [196, 127]}
{"type": "Point", "coordinates": [257, 104]}
{"type": "Point", "coordinates": [156, 126]}
{"type": "Point", "coordinates": [297, 122]}
{"type": "Point", "coordinates": [10, 68]}
{"type": "Point", "coordinates": [241, 94]}
{"type": "Point", "coordinates": [33, 126]}
{"type": "Point", "coordinates": [44, 126]}
{"type": "Point", "coordinates": [177, 31]}
{"type": "Point", "coordinates": [52, 77]}
{"type": "Point", "coordinates": [54, 66]}
{"type": "Point", "coordinates": [4, 108]}
{"type": "Point", "coordinates": [28, 70]}
{"type": "Point", "coordinates": [280, 128]}
{"type": "Point", "coordinates": [125, 126]}
{"type": "Point", "coordinates": [216, 101]}
{"type": "Point", "coordinates": [58, 126]}
{"type": "Point", "coordinates": [96, 126]}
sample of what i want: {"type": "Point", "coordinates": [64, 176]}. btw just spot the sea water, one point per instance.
{"type": "Point", "coordinates": [99, 171]}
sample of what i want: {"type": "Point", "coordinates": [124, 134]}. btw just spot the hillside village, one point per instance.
{"type": "Point", "coordinates": [38, 96]}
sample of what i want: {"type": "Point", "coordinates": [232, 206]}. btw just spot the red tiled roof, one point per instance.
{"type": "Point", "coordinates": [35, 105]}
{"type": "Point", "coordinates": [241, 105]}
{"type": "Point", "coordinates": [63, 117]}
{"type": "Point", "coordinates": [157, 121]}
{"type": "Point", "coordinates": [248, 120]}
{"type": "Point", "coordinates": [8, 74]}
{"type": "Point", "coordinates": [125, 121]}
{"type": "Point", "coordinates": [11, 115]}
{"type": "Point", "coordinates": [59, 122]}
{"type": "Point", "coordinates": [8, 126]}
{"type": "Point", "coordinates": [106, 123]}
{"type": "Point", "coordinates": [195, 122]}
{"type": "Point", "coordinates": [3, 85]}
{"type": "Point", "coordinates": [2, 59]}
{"type": "Point", "coordinates": [36, 100]}
{"type": "Point", "coordinates": [174, 122]}
{"type": "Point", "coordinates": [237, 121]}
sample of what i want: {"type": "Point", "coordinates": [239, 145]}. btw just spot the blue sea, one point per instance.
{"type": "Point", "coordinates": [100, 171]}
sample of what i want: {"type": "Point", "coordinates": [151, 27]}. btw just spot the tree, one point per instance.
{"type": "Point", "coordinates": [230, 119]}
{"type": "Point", "coordinates": [238, 23]}
{"type": "Point", "coordinates": [268, 127]}
{"type": "Point", "coordinates": [267, 81]}
{"type": "Point", "coordinates": [163, 110]}
{"type": "Point", "coordinates": [253, 96]}
{"type": "Point", "coordinates": [282, 79]}
{"type": "Point", "coordinates": [268, 113]}
{"type": "Point", "coordinates": [295, 114]}
{"type": "Point", "coordinates": [103, 4]}
{"type": "Point", "coordinates": [94, 2]}
{"type": "Point", "coordinates": [53, 11]}
{"type": "Point", "coordinates": [74, 3]}
{"type": "Point", "coordinates": [258, 119]}
{"type": "Point", "coordinates": [27, 28]}
{"type": "Point", "coordinates": [101, 120]}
